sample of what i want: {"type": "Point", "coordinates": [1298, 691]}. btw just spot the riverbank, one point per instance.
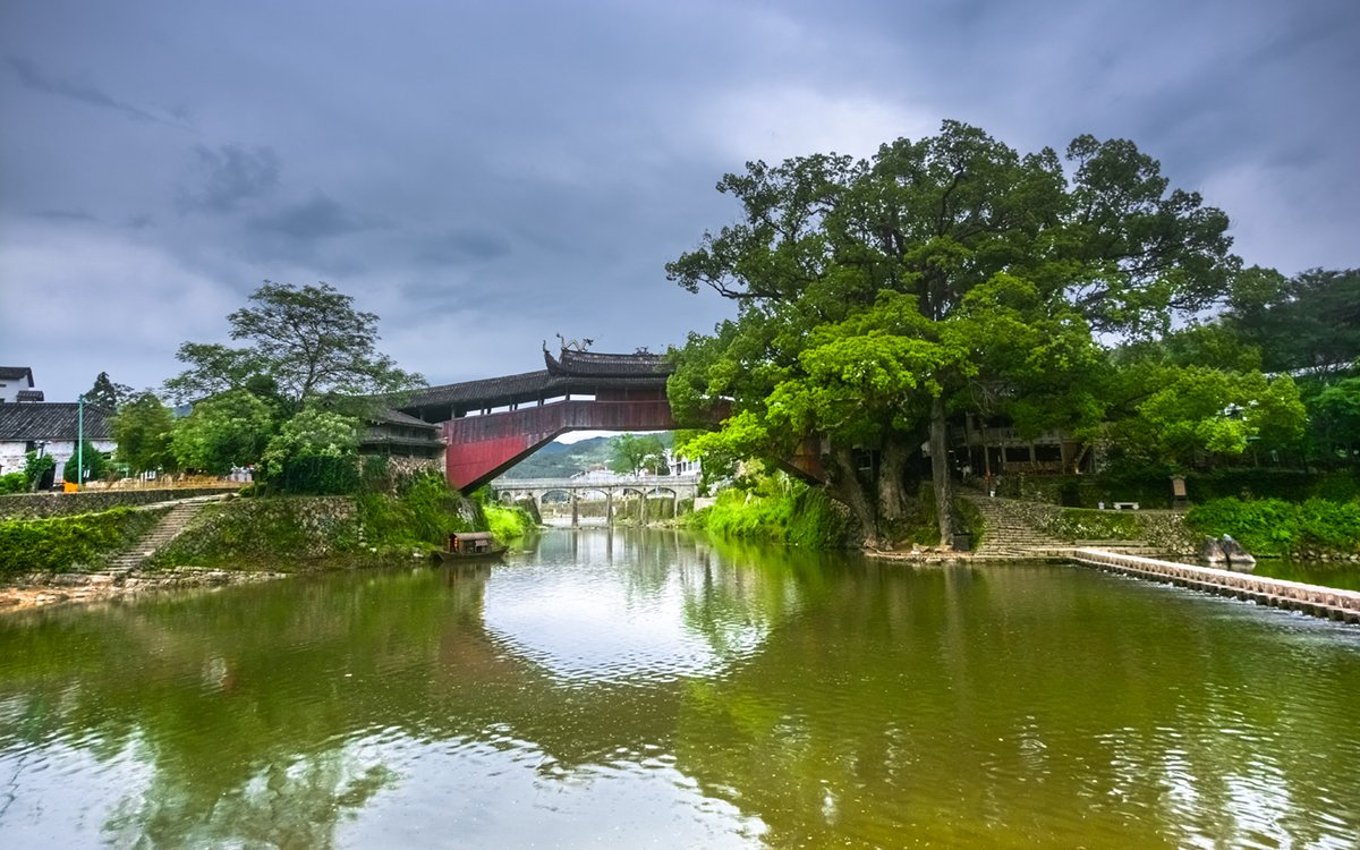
{"type": "Point", "coordinates": [127, 551]}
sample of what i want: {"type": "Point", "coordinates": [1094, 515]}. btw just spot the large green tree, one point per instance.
{"type": "Point", "coordinates": [306, 342]}
{"type": "Point", "coordinates": [853, 279]}
{"type": "Point", "coordinates": [1309, 323]}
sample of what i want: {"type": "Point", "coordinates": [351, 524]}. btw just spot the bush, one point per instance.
{"type": "Point", "coordinates": [778, 511]}
{"type": "Point", "coordinates": [318, 475]}
{"type": "Point", "coordinates": [57, 544]}
{"type": "Point", "coordinates": [425, 511]}
{"type": "Point", "coordinates": [36, 469]}
{"type": "Point", "coordinates": [1277, 527]}
{"type": "Point", "coordinates": [13, 482]}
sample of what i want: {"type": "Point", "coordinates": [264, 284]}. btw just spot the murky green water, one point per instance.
{"type": "Point", "coordinates": [648, 690]}
{"type": "Point", "coordinates": [1326, 573]}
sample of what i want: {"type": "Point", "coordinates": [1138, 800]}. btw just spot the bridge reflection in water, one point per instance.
{"type": "Point", "coordinates": [642, 488]}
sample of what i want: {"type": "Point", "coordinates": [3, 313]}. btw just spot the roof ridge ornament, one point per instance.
{"type": "Point", "coordinates": [582, 344]}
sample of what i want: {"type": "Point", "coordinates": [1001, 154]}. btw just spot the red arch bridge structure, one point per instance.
{"type": "Point", "coordinates": [491, 424]}
{"type": "Point", "coordinates": [593, 488]}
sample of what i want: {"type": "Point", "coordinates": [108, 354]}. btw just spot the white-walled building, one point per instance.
{"type": "Point", "coordinates": [15, 380]}
{"type": "Point", "coordinates": [49, 427]}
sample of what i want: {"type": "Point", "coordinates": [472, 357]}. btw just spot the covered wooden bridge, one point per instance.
{"type": "Point", "coordinates": [490, 425]}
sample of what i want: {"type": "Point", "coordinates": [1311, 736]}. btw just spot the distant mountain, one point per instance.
{"type": "Point", "coordinates": [562, 460]}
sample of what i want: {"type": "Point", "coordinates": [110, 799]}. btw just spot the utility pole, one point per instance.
{"type": "Point", "coordinates": [80, 442]}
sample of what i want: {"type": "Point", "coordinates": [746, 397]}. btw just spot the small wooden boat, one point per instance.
{"type": "Point", "coordinates": [470, 546]}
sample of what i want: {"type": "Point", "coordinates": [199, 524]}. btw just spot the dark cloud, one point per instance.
{"type": "Point", "coordinates": [229, 176]}
{"type": "Point", "coordinates": [463, 245]}
{"type": "Point", "coordinates": [320, 217]}
{"type": "Point", "coordinates": [517, 170]}
{"type": "Point", "coordinates": [34, 78]}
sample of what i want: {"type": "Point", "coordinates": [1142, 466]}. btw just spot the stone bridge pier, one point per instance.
{"type": "Point", "coordinates": [644, 487]}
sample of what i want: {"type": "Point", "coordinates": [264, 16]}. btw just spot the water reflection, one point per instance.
{"type": "Point", "coordinates": [621, 688]}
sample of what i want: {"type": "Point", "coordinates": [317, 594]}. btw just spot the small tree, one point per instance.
{"type": "Point", "coordinates": [96, 465]}
{"type": "Point", "coordinates": [634, 453]}
{"type": "Point", "coordinates": [313, 433]}
{"type": "Point", "coordinates": [106, 393]}
{"type": "Point", "coordinates": [38, 469]}
{"type": "Point", "coordinates": [229, 430]}
{"type": "Point", "coordinates": [142, 430]}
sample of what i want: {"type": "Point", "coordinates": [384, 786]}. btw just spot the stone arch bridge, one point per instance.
{"type": "Point", "coordinates": [676, 487]}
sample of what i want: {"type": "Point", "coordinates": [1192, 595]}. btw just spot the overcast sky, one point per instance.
{"type": "Point", "coordinates": [486, 175]}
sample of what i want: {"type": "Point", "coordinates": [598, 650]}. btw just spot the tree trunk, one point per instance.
{"type": "Point", "coordinates": [892, 462]}
{"type": "Point", "coordinates": [939, 468]}
{"type": "Point", "coordinates": [846, 487]}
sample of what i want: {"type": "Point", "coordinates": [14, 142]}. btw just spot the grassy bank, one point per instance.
{"type": "Point", "coordinates": [786, 512]}
{"type": "Point", "coordinates": [308, 532]}
{"type": "Point", "coordinates": [1313, 528]}
{"type": "Point", "coordinates": [67, 543]}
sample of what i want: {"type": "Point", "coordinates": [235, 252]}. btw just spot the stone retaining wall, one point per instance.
{"type": "Point", "coordinates": [35, 505]}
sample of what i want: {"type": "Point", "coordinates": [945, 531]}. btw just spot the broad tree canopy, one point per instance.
{"type": "Point", "coordinates": [947, 273]}
{"type": "Point", "coordinates": [303, 342]}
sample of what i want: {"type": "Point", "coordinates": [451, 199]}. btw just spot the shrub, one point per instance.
{"type": "Point", "coordinates": [13, 482]}
{"type": "Point", "coordinates": [57, 544]}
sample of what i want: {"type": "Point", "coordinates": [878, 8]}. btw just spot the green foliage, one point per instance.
{"type": "Point", "coordinates": [308, 341]}
{"type": "Point", "coordinates": [36, 467]}
{"type": "Point", "coordinates": [106, 393]}
{"type": "Point", "coordinates": [317, 475]}
{"type": "Point", "coordinates": [96, 465]}
{"type": "Point", "coordinates": [1275, 527]}
{"type": "Point", "coordinates": [316, 440]}
{"type": "Point", "coordinates": [13, 482]}
{"type": "Point", "coordinates": [1310, 321]}
{"type": "Point", "coordinates": [631, 454]}
{"type": "Point", "coordinates": [425, 512]}
{"type": "Point", "coordinates": [507, 522]}
{"type": "Point", "coordinates": [780, 511]}
{"type": "Point", "coordinates": [1334, 412]}
{"type": "Point", "coordinates": [142, 431]}
{"type": "Point", "coordinates": [1185, 414]}
{"type": "Point", "coordinates": [1079, 524]}
{"type": "Point", "coordinates": [59, 544]}
{"type": "Point", "coordinates": [226, 431]}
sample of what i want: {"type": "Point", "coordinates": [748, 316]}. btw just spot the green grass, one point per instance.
{"type": "Point", "coordinates": [61, 544]}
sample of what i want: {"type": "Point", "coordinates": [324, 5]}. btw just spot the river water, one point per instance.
{"type": "Point", "coordinates": [643, 689]}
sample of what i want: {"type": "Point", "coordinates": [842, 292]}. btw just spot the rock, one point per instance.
{"type": "Point", "coordinates": [1239, 559]}
{"type": "Point", "coordinates": [1211, 551]}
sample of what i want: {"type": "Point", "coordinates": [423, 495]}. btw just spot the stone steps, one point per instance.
{"type": "Point", "coordinates": [170, 527]}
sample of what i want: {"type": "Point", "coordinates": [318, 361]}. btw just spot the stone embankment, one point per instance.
{"type": "Point", "coordinates": [123, 576]}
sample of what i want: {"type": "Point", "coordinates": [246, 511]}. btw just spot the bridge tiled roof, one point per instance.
{"type": "Point", "coordinates": [597, 364]}
{"type": "Point", "coordinates": [574, 372]}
